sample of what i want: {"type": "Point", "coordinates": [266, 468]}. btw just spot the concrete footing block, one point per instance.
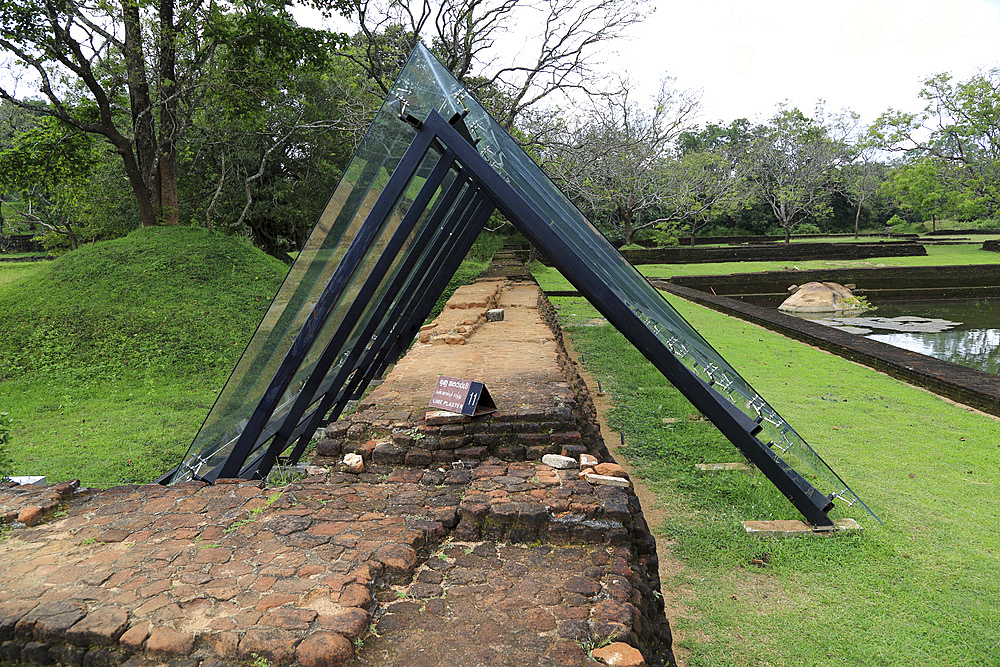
{"type": "Point", "coordinates": [709, 468]}
{"type": "Point", "coordinates": [795, 528]}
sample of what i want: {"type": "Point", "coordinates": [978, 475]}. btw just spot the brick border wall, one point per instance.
{"type": "Point", "coordinates": [527, 433]}
{"type": "Point", "coordinates": [575, 512]}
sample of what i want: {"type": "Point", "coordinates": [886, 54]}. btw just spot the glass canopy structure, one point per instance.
{"type": "Point", "coordinates": [430, 171]}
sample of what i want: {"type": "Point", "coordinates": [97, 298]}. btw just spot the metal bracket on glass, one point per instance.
{"type": "Point", "coordinates": [839, 495]}
{"type": "Point", "coordinates": [402, 96]}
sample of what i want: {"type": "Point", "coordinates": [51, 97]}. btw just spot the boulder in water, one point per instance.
{"type": "Point", "coordinates": [817, 297]}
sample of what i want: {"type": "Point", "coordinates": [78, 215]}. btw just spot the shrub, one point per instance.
{"type": "Point", "coordinates": [808, 228]}
{"type": "Point", "coordinates": [899, 226]}
{"type": "Point", "coordinates": [665, 238]}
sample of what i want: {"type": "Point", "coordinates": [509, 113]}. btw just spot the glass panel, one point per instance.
{"type": "Point", "coordinates": [433, 87]}
{"type": "Point", "coordinates": [367, 174]}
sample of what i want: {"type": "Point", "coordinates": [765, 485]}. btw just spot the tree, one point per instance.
{"type": "Point", "coordinates": [613, 161]}
{"type": "Point", "coordinates": [699, 187]}
{"type": "Point", "coordinates": [263, 161]}
{"type": "Point", "coordinates": [465, 35]}
{"type": "Point", "coordinates": [862, 178]}
{"type": "Point", "coordinates": [959, 127]}
{"type": "Point", "coordinates": [923, 188]}
{"type": "Point", "coordinates": [791, 161]}
{"type": "Point", "coordinates": [92, 59]}
{"type": "Point", "coordinates": [86, 58]}
{"type": "Point", "coordinates": [47, 168]}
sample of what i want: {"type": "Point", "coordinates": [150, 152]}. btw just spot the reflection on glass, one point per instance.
{"type": "Point", "coordinates": [363, 180]}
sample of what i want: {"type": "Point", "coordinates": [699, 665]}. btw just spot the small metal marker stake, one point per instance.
{"type": "Point", "coordinates": [600, 389]}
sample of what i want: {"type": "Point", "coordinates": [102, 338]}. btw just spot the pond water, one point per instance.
{"type": "Point", "coordinates": [963, 332]}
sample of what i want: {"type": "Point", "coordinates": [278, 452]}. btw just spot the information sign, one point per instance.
{"type": "Point", "coordinates": [465, 397]}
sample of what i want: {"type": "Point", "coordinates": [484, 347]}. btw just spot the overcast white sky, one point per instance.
{"type": "Point", "coordinates": [868, 55]}
{"type": "Point", "coordinates": [747, 56]}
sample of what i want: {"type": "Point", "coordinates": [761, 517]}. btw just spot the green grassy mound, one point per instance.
{"type": "Point", "coordinates": [112, 355]}
{"type": "Point", "coordinates": [168, 300]}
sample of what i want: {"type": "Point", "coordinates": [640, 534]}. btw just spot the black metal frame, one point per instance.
{"type": "Point", "coordinates": [459, 213]}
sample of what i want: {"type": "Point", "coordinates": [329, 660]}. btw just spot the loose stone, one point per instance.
{"type": "Point", "coordinates": [620, 654]}
{"type": "Point", "coordinates": [559, 462]}
{"type": "Point", "coordinates": [354, 463]}
{"type": "Point", "coordinates": [606, 480]}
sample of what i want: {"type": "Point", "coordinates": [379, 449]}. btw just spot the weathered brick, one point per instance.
{"type": "Point", "coordinates": [324, 649]}
{"type": "Point", "coordinates": [416, 457]}
{"type": "Point", "coordinates": [31, 515]}
{"type": "Point", "coordinates": [531, 413]}
{"type": "Point", "coordinates": [535, 453]}
{"type": "Point", "coordinates": [471, 453]}
{"type": "Point", "coordinates": [561, 413]}
{"type": "Point", "coordinates": [274, 644]}
{"type": "Point", "coordinates": [133, 639]}
{"type": "Point", "coordinates": [487, 439]}
{"type": "Point", "coordinates": [350, 623]}
{"type": "Point", "coordinates": [289, 618]}
{"type": "Point", "coordinates": [511, 452]}
{"type": "Point", "coordinates": [533, 439]}
{"type": "Point", "coordinates": [169, 642]}
{"type": "Point", "coordinates": [453, 442]}
{"type": "Point", "coordinates": [567, 438]}
{"type": "Point", "coordinates": [386, 453]}
{"type": "Point", "coordinates": [329, 447]}
{"type": "Point", "coordinates": [101, 627]}
{"type": "Point", "coordinates": [398, 559]}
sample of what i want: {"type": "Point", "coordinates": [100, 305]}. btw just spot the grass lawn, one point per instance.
{"type": "Point", "coordinates": [119, 430]}
{"type": "Point", "coordinates": [942, 255]}
{"type": "Point", "coordinates": [921, 589]}
{"type": "Point", "coordinates": [13, 271]}
{"type": "Point", "coordinates": [113, 354]}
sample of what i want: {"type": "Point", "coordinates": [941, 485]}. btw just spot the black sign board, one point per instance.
{"type": "Point", "coordinates": [462, 396]}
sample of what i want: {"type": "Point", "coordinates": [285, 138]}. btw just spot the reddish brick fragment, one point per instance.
{"type": "Point", "coordinates": [133, 638]}
{"type": "Point", "coordinates": [324, 649]}
{"type": "Point", "coordinates": [102, 627]}
{"type": "Point", "coordinates": [167, 642]}
{"type": "Point", "coordinates": [30, 516]}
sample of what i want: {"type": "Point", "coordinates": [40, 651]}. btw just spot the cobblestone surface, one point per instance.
{"type": "Point", "coordinates": [236, 570]}
{"type": "Point", "coordinates": [483, 603]}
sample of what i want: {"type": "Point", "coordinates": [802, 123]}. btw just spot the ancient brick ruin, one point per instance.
{"type": "Point", "coordinates": [455, 546]}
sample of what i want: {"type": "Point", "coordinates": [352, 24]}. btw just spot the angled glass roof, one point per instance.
{"type": "Point", "coordinates": [408, 207]}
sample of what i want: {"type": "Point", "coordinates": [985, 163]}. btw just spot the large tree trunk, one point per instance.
{"type": "Point", "coordinates": [169, 214]}
{"type": "Point", "coordinates": [145, 162]}
{"type": "Point", "coordinates": [626, 217]}
{"type": "Point", "coordinates": [142, 194]}
{"type": "Point", "coordinates": [73, 242]}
